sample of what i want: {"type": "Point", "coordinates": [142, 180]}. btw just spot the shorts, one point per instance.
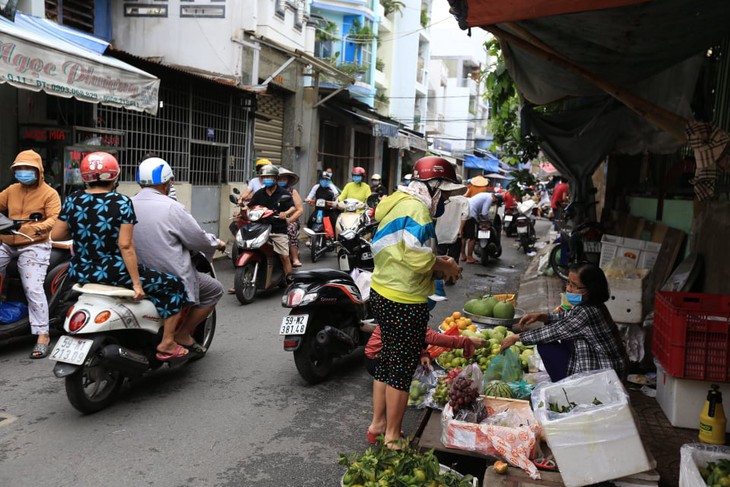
{"type": "Point", "coordinates": [210, 290]}
{"type": "Point", "coordinates": [470, 229]}
{"type": "Point", "coordinates": [280, 241]}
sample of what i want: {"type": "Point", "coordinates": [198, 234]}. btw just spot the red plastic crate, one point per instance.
{"type": "Point", "coordinates": [692, 335]}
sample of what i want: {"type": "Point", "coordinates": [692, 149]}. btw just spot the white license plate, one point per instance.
{"type": "Point", "coordinates": [507, 218]}
{"type": "Point", "coordinates": [593, 247]}
{"type": "Point", "coordinates": [483, 234]}
{"type": "Point", "coordinates": [294, 325]}
{"type": "Point", "coordinates": [71, 350]}
{"type": "Point", "coordinates": [521, 229]}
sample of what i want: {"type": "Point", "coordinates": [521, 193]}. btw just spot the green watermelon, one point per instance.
{"type": "Point", "coordinates": [497, 388]}
{"type": "Point", "coordinates": [469, 306]}
{"type": "Point", "coordinates": [483, 307]}
{"type": "Point", "coordinates": [504, 310]}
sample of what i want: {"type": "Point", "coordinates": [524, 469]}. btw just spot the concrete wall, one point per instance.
{"type": "Point", "coordinates": [8, 131]}
{"type": "Point", "coordinates": [677, 213]}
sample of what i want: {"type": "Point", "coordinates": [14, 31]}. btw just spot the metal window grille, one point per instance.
{"type": "Point", "coordinates": [78, 14]}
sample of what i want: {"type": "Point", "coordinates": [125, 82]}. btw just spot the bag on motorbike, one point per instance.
{"type": "Point", "coordinates": [11, 311]}
{"type": "Point", "coordinates": [423, 381]}
{"type": "Point", "coordinates": [506, 367]}
{"type": "Point", "coordinates": [328, 228]}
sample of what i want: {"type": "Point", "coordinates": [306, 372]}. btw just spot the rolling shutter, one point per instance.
{"type": "Point", "coordinates": [269, 129]}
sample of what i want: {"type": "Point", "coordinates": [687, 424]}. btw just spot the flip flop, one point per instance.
{"type": "Point", "coordinates": [180, 352]}
{"type": "Point", "coordinates": [545, 463]}
{"type": "Point", "coordinates": [194, 347]}
{"type": "Point", "coordinates": [42, 349]}
{"type": "Point", "coordinates": [297, 265]}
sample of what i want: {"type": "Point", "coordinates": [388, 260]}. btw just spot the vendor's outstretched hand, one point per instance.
{"type": "Point", "coordinates": [531, 318]}
{"type": "Point", "coordinates": [478, 342]}
{"type": "Point", "coordinates": [509, 341]}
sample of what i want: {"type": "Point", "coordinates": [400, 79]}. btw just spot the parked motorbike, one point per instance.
{"type": "Point", "coordinates": [510, 222]}
{"type": "Point", "coordinates": [525, 225]}
{"type": "Point", "coordinates": [322, 235]}
{"type": "Point", "coordinates": [579, 244]}
{"type": "Point", "coordinates": [489, 240]}
{"type": "Point", "coordinates": [57, 286]}
{"type": "Point", "coordinates": [258, 267]}
{"type": "Point", "coordinates": [111, 338]}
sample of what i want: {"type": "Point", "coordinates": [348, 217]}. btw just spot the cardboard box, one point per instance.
{"type": "Point", "coordinates": [592, 443]}
{"type": "Point", "coordinates": [641, 253]}
{"type": "Point", "coordinates": [682, 400]}
{"type": "Point", "coordinates": [630, 298]}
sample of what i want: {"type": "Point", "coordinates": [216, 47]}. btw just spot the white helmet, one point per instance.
{"type": "Point", "coordinates": [154, 171]}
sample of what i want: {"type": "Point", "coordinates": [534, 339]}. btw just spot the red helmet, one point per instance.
{"type": "Point", "coordinates": [358, 171]}
{"type": "Point", "coordinates": [433, 167]}
{"type": "Point", "coordinates": [99, 166]}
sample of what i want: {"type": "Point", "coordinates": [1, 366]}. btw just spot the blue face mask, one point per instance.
{"type": "Point", "coordinates": [324, 183]}
{"type": "Point", "coordinates": [268, 183]}
{"type": "Point", "coordinates": [574, 298]}
{"type": "Point", "coordinates": [357, 179]}
{"type": "Point", "coordinates": [440, 208]}
{"type": "Point", "coordinates": [282, 184]}
{"type": "Point", "coordinates": [406, 182]}
{"type": "Point", "coordinates": [25, 176]}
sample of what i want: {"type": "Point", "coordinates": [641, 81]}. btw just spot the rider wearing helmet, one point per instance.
{"type": "Point", "coordinates": [255, 183]}
{"type": "Point", "coordinates": [376, 186]}
{"type": "Point", "coordinates": [29, 195]}
{"type": "Point", "coordinates": [164, 237]}
{"type": "Point", "coordinates": [404, 250]}
{"type": "Point", "coordinates": [356, 189]}
{"type": "Point", "coordinates": [269, 196]}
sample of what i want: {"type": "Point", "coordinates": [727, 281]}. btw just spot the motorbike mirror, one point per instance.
{"type": "Point", "coordinates": [310, 232]}
{"type": "Point", "coordinates": [36, 216]}
{"type": "Point", "coordinates": [233, 199]}
{"type": "Point", "coordinates": [236, 191]}
{"type": "Point", "coordinates": [373, 200]}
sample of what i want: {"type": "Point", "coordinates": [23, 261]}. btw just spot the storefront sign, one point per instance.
{"type": "Point", "coordinates": [42, 135]}
{"type": "Point", "coordinates": [26, 62]}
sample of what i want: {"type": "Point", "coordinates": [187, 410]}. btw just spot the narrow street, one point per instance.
{"type": "Point", "coordinates": [240, 417]}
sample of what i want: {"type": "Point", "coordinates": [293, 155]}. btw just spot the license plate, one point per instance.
{"type": "Point", "coordinates": [483, 234]}
{"type": "Point", "coordinates": [593, 247]}
{"type": "Point", "coordinates": [71, 350]}
{"type": "Point", "coordinates": [507, 218]}
{"type": "Point", "coordinates": [521, 229]}
{"type": "Point", "coordinates": [294, 325]}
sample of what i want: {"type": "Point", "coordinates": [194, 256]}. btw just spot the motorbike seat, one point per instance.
{"type": "Point", "coordinates": [104, 290]}
{"type": "Point", "coordinates": [320, 275]}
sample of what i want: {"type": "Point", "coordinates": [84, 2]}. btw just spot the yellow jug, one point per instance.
{"type": "Point", "coordinates": [712, 418]}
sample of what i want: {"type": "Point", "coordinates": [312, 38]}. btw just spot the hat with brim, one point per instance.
{"type": "Point", "coordinates": [289, 174]}
{"type": "Point", "coordinates": [452, 188]}
{"type": "Point", "coordinates": [479, 181]}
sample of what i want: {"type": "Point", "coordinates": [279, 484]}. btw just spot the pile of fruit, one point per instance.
{"type": "Point", "coordinates": [497, 388]}
{"type": "Point", "coordinates": [418, 393]}
{"type": "Point", "coordinates": [463, 394]}
{"type": "Point", "coordinates": [716, 473]}
{"type": "Point", "coordinates": [456, 320]}
{"type": "Point", "coordinates": [483, 356]}
{"type": "Point", "coordinates": [443, 386]}
{"type": "Point", "coordinates": [490, 307]}
{"type": "Point", "coordinates": [384, 467]}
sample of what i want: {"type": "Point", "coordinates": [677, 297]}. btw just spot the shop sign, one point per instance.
{"type": "Point", "coordinates": [43, 135]}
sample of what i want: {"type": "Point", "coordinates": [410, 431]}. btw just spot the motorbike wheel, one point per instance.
{"type": "Point", "coordinates": [204, 333]}
{"type": "Point", "coordinates": [93, 387]}
{"type": "Point", "coordinates": [314, 366]}
{"type": "Point", "coordinates": [244, 284]}
{"type": "Point", "coordinates": [315, 248]}
{"type": "Point", "coordinates": [560, 270]}
{"type": "Point", "coordinates": [525, 242]}
{"type": "Point", "coordinates": [484, 256]}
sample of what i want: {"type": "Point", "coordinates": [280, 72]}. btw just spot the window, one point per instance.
{"type": "Point", "coordinates": [78, 14]}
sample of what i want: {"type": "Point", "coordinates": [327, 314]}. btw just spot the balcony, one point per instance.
{"type": "Point", "coordinates": [468, 83]}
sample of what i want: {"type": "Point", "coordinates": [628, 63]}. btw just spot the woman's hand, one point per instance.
{"type": "Point", "coordinates": [509, 341]}
{"type": "Point", "coordinates": [478, 342]}
{"type": "Point", "coordinates": [531, 318]}
{"type": "Point", "coordinates": [447, 268]}
{"type": "Point", "coordinates": [138, 292]}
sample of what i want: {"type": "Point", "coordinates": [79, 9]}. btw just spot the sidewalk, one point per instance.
{"type": "Point", "coordinates": [661, 439]}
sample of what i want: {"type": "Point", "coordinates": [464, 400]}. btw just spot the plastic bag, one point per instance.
{"type": "Point", "coordinates": [695, 456]}
{"type": "Point", "coordinates": [521, 389]}
{"type": "Point", "coordinates": [10, 311]}
{"type": "Point", "coordinates": [506, 367]}
{"type": "Point", "coordinates": [478, 411]}
{"type": "Point", "coordinates": [423, 381]}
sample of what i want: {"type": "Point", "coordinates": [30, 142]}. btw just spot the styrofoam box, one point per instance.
{"type": "Point", "coordinates": [641, 253]}
{"type": "Point", "coordinates": [591, 444]}
{"type": "Point", "coordinates": [629, 298]}
{"type": "Point", "coordinates": [682, 400]}
{"type": "Point", "coordinates": [695, 455]}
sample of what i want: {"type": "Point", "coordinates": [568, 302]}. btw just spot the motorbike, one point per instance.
{"type": "Point", "coordinates": [112, 338]}
{"type": "Point", "coordinates": [579, 244]}
{"type": "Point", "coordinates": [525, 225]}
{"type": "Point", "coordinates": [489, 240]}
{"type": "Point", "coordinates": [349, 219]}
{"type": "Point", "coordinates": [57, 285]}
{"type": "Point", "coordinates": [322, 235]}
{"type": "Point", "coordinates": [510, 221]}
{"type": "Point", "coordinates": [258, 267]}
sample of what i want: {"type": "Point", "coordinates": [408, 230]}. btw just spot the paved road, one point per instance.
{"type": "Point", "coordinates": [240, 417]}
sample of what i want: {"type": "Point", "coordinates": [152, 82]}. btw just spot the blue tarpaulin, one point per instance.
{"type": "Point", "coordinates": [488, 163]}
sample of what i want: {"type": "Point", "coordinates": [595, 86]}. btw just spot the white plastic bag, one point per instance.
{"type": "Point", "coordinates": [362, 281]}
{"type": "Point", "coordinates": [694, 456]}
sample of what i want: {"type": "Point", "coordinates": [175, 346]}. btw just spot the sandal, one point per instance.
{"type": "Point", "coordinates": [545, 463]}
{"type": "Point", "coordinates": [40, 350]}
{"type": "Point", "coordinates": [232, 290]}
{"type": "Point", "coordinates": [180, 352]}
{"type": "Point", "coordinates": [194, 347]}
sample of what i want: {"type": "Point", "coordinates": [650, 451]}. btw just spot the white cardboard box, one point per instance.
{"type": "Point", "coordinates": [630, 298]}
{"type": "Point", "coordinates": [641, 253]}
{"type": "Point", "coordinates": [591, 443]}
{"type": "Point", "coordinates": [682, 400]}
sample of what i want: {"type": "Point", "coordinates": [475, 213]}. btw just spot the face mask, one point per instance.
{"type": "Point", "coordinates": [357, 179]}
{"type": "Point", "coordinates": [406, 182]}
{"type": "Point", "coordinates": [437, 204]}
{"type": "Point", "coordinates": [440, 208]}
{"type": "Point", "coordinates": [574, 298]}
{"type": "Point", "coordinates": [268, 183]}
{"type": "Point", "coordinates": [324, 183]}
{"type": "Point", "coordinates": [25, 176]}
{"type": "Point", "coordinates": [282, 184]}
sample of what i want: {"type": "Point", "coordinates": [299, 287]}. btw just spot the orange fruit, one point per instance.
{"type": "Point", "coordinates": [456, 315]}
{"type": "Point", "coordinates": [471, 327]}
{"type": "Point", "coordinates": [462, 325]}
{"type": "Point", "coordinates": [468, 321]}
{"type": "Point", "coordinates": [449, 319]}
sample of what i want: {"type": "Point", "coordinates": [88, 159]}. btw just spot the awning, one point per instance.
{"type": "Point", "coordinates": [407, 141]}
{"type": "Point", "coordinates": [488, 164]}
{"type": "Point", "coordinates": [380, 128]}
{"type": "Point", "coordinates": [40, 55]}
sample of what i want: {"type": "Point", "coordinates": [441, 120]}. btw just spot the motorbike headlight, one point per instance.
{"type": "Point", "coordinates": [348, 234]}
{"type": "Point", "coordinates": [260, 240]}
{"type": "Point", "coordinates": [255, 215]}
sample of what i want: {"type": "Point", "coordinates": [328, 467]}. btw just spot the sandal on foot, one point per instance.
{"type": "Point", "coordinates": [232, 290]}
{"type": "Point", "coordinates": [40, 350]}
{"type": "Point", "coordinates": [180, 352]}
{"type": "Point", "coordinates": [194, 347]}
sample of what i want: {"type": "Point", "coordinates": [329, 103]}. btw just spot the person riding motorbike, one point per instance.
{"type": "Point", "coordinates": [100, 221]}
{"type": "Point", "coordinates": [479, 205]}
{"type": "Point", "coordinates": [269, 196]}
{"type": "Point", "coordinates": [29, 195]}
{"type": "Point", "coordinates": [324, 191]}
{"type": "Point", "coordinates": [356, 189]}
{"type": "Point", "coordinates": [165, 235]}
{"type": "Point", "coordinates": [376, 186]}
{"type": "Point", "coordinates": [255, 183]}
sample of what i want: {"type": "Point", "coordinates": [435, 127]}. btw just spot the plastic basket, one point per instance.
{"type": "Point", "coordinates": [692, 335]}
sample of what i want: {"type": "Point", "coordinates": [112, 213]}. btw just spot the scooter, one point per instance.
{"type": "Point", "coordinates": [510, 227]}
{"type": "Point", "coordinates": [525, 224]}
{"type": "Point", "coordinates": [111, 338]}
{"type": "Point", "coordinates": [349, 219]}
{"type": "Point", "coordinates": [489, 240]}
{"type": "Point", "coordinates": [57, 286]}
{"type": "Point", "coordinates": [258, 267]}
{"type": "Point", "coordinates": [322, 235]}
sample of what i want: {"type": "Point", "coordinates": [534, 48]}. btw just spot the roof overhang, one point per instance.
{"type": "Point", "coordinates": [40, 55]}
